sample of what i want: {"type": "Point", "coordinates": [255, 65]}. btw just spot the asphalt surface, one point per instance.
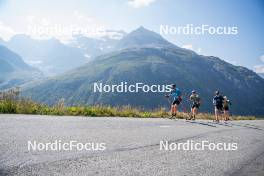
{"type": "Point", "coordinates": [132, 146]}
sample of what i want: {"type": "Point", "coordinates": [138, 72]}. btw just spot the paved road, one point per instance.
{"type": "Point", "coordinates": [132, 146]}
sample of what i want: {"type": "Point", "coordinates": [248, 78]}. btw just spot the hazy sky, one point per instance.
{"type": "Point", "coordinates": [246, 48]}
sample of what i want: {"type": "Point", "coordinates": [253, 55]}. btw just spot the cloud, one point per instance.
{"type": "Point", "coordinates": [6, 31]}
{"type": "Point", "coordinates": [30, 18]}
{"type": "Point", "coordinates": [190, 47]}
{"type": "Point", "coordinates": [45, 22]}
{"type": "Point", "coordinates": [82, 17]}
{"type": "Point", "coordinates": [199, 50]}
{"type": "Point", "coordinates": [140, 3]}
{"type": "Point", "coordinates": [259, 68]}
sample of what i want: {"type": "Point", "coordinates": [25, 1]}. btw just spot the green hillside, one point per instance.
{"type": "Point", "coordinates": [13, 70]}
{"type": "Point", "coordinates": [161, 65]}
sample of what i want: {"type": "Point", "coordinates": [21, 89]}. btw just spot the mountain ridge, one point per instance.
{"type": "Point", "coordinates": [164, 64]}
{"type": "Point", "coordinates": [142, 37]}
{"type": "Point", "coordinates": [50, 55]}
{"type": "Point", "coordinates": [14, 71]}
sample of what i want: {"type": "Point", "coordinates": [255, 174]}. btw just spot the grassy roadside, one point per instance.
{"type": "Point", "coordinates": [10, 103]}
{"type": "Point", "coordinates": [31, 107]}
{"type": "Point", "coordinates": [25, 106]}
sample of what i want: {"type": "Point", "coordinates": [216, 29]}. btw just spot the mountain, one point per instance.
{"type": "Point", "coordinates": [154, 61]}
{"type": "Point", "coordinates": [50, 56]}
{"type": "Point", "coordinates": [13, 70]}
{"type": "Point", "coordinates": [142, 37]}
{"type": "Point", "coordinates": [92, 47]}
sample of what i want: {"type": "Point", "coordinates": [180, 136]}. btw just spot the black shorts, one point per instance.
{"type": "Point", "coordinates": [195, 105]}
{"type": "Point", "coordinates": [219, 107]}
{"type": "Point", "coordinates": [176, 102]}
{"type": "Point", "coordinates": [226, 108]}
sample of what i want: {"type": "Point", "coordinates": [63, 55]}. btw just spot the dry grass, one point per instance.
{"type": "Point", "coordinates": [10, 103]}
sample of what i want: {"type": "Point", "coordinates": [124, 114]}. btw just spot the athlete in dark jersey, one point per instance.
{"type": "Point", "coordinates": [218, 104]}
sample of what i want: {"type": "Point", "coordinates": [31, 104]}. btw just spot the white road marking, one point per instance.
{"type": "Point", "coordinates": [164, 126]}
